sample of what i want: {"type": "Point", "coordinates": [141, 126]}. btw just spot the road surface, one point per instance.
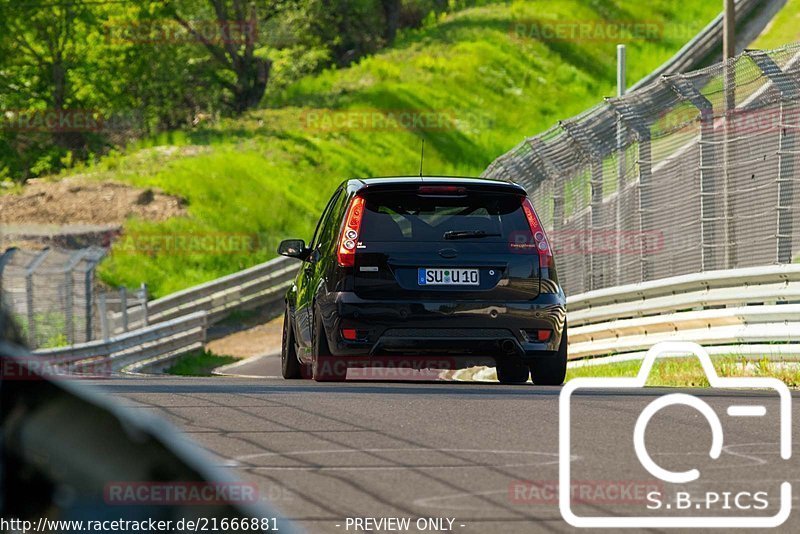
{"type": "Point", "coordinates": [322, 453]}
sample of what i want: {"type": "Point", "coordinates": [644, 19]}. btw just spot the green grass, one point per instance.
{"type": "Point", "coordinates": [199, 363]}
{"type": "Point", "coordinates": [687, 372]}
{"type": "Point", "coordinates": [783, 29]}
{"type": "Point", "coordinates": [269, 174]}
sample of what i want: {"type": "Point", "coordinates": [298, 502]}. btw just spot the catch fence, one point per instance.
{"type": "Point", "coordinates": [691, 173]}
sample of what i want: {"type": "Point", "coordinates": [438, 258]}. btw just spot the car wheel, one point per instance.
{"type": "Point", "coordinates": [324, 366]}
{"type": "Point", "coordinates": [290, 365]}
{"type": "Point", "coordinates": [551, 371]}
{"type": "Point", "coordinates": [512, 370]}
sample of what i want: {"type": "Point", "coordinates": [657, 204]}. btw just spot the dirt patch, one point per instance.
{"type": "Point", "coordinates": [252, 340]}
{"type": "Point", "coordinates": [80, 201]}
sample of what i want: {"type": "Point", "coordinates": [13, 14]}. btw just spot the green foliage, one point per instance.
{"type": "Point", "coordinates": [270, 171]}
{"type": "Point", "coordinates": [147, 66]}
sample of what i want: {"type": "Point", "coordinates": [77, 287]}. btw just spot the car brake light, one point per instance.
{"type": "Point", "coordinates": [543, 335]}
{"type": "Point", "coordinates": [441, 190]}
{"type": "Point", "coordinates": [540, 335]}
{"type": "Point", "coordinates": [348, 240]}
{"type": "Point", "coordinates": [349, 333]}
{"type": "Point", "coordinates": [538, 234]}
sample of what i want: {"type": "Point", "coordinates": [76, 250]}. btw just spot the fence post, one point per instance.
{"type": "Point", "coordinates": [688, 92]}
{"type": "Point", "coordinates": [69, 312]}
{"type": "Point", "coordinates": [32, 266]}
{"type": "Point", "coordinates": [621, 160]}
{"type": "Point", "coordinates": [577, 133]}
{"type": "Point", "coordinates": [123, 299]}
{"type": "Point", "coordinates": [641, 131]}
{"type": "Point", "coordinates": [790, 91]}
{"type": "Point", "coordinates": [88, 290]}
{"type": "Point", "coordinates": [551, 173]}
{"type": "Point", "coordinates": [69, 324]}
{"type": "Point", "coordinates": [4, 259]}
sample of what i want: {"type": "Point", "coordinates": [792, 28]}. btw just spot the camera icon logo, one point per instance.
{"type": "Point", "coordinates": [666, 349]}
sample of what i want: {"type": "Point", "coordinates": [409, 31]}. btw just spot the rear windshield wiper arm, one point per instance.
{"type": "Point", "coordinates": [466, 234]}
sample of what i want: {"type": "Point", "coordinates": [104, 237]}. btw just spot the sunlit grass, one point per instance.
{"type": "Point", "coordinates": [270, 172]}
{"type": "Point", "coordinates": [783, 29]}
{"type": "Point", "coordinates": [687, 372]}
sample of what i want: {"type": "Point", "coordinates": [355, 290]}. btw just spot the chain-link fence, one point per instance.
{"type": "Point", "coordinates": [691, 173]}
{"type": "Point", "coordinates": [54, 296]}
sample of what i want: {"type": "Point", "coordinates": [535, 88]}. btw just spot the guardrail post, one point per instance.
{"type": "Point", "coordinates": [123, 299]}
{"type": "Point", "coordinates": [143, 300]}
{"type": "Point", "coordinates": [30, 269]}
{"type": "Point", "coordinates": [790, 93]}
{"type": "Point", "coordinates": [204, 328]}
{"type": "Point", "coordinates": [688, 92]}
{"type": "Point", "coordinates": [577, 133]}
{"type": "Point", "coordinates": [641, 131]}
{"type": "Point", "coordinates": [103, 313]}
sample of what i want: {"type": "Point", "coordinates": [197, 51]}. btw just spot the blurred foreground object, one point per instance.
{"type": "Point", "coordinates": [69, 453]}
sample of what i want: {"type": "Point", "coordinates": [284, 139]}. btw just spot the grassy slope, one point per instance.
{"type": "Point", "coordinates": [268, 174]}
{"type": "Point", "coordinates": [783, 29]}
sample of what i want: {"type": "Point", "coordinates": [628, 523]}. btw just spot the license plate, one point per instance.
{"type": "Point", "coordinates": [448, 277]}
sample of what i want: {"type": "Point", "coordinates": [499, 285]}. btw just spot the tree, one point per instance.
{"type": "Point", "coordinates": [234, 47]}
{"type": "Point", "coordinates": [43, 58]}
{"type": "Point", "coordinates": [391, 14]}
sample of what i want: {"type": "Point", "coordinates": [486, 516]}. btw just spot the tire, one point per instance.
{"type": "Point", "coordinates": [551, 371]}
{"type": "Point", "coordinates": [511, 370]}
{"type": "Point", "coordinates": [324, 366]}
{"type": "Point", "coordinates": [290, 365]}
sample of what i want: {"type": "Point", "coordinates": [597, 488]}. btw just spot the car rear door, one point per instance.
{"type": "Point", "coordinates": [312, 268]}
{"type": "Point", "coordinates": [445, 242]}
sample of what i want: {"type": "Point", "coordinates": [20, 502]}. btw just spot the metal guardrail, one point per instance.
{"type": "Point", "coordinates": [740, 308]}
{"type": "Point", "coordinates": [160, 341]}
{"type": "Point", "coordinates": [177, 323]}
{"type": "Point", "coordinates": [245, 289]}
{"type": "Point", "coordinates": [732, 308]}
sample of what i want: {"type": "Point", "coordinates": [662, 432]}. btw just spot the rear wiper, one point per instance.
{"type": "Point", "coordinates": [466, 234]}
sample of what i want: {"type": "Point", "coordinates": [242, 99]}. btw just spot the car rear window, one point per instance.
{"type": "Point", "coordinates": [408, 216]}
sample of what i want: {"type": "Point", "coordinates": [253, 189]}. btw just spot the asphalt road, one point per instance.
{"type": "Point", "coordinates": [322, 453]}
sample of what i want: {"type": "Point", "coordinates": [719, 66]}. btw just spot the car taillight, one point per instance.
{"type": "Point", "coordinates": [348, 240]}
{"type": "Point", "coordinates": [537, 232]}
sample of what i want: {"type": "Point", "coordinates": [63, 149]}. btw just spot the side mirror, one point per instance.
{"type": "Point", "coordinates": [293, 248]}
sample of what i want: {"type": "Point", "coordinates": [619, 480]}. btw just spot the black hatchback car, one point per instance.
{"type": "Point", "coordinates": [429, 273]}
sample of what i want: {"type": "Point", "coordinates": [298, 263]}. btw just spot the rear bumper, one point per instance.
{"type": "Point", "coordinates": [465, 328]}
